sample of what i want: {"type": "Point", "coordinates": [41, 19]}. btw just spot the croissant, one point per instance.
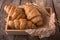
{"type": "Point", "coordinates": [18, 13]}
{"type": "Point", "coordinates": [37, 20]}
{"type": "Point", "coordinates": [33, 14]}
{"type": "Point", "coordinates": [17, 24]}
{"type": "Point", "coordinates": [31, 11]}
{"type": "Point", "coordinates": [23, 23]}
{"type": "Point", "coordinates": [30, 25]}
{"type": "Point", "coordinates": [14, 11]}
{"type": "Point", "coordinates": [9, 9]}
{"type": "Point", "coordinates": [10, 24]}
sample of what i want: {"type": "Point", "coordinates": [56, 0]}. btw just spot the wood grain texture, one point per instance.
{"type": "Point", "coordinates": [57, 9]}
{"type": "Point", "coordinates": [1, 2]}
{"type": "Point", "coordinates": [47, 3]}
{"type": "Point", "coordinates": [16, 2]}
{"type": "Point", "coordinates": [25, 1]}
{"type": "Point", "coordinates": [21, 37]}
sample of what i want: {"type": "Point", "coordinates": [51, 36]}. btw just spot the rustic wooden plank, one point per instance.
{"type": "Point", "coordinates": [1, 2]}
{"type": "Point", "coordinates": [16, 2]}
{"type": "Point", "coordinates": [39, 1]}
{"type": "Point", "coordinates": [21, 37]}
{"type": "Point", "coordinates": [33, 1]}
{"type": "Point", "coordinates": [46, 2]}
{"type": "Point", "coordinates": [24, 1]}
{"type": "Point", "coordinates": [1, 37]}
{"type": "Point", "coordinates": [57, 9]}
{"type": "Point", "coordinates": [8, 37]}
{"type": "Point", "coordinates": [49, 3]}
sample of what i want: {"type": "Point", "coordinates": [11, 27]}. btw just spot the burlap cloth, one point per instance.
{"type": "Point", "coordinates": [47, 29]}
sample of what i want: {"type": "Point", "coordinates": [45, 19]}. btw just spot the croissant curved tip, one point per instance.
{"type": "Point", "coordinates": [5, 7]}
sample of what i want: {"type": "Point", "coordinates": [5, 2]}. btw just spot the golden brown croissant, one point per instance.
{"type": "Point", "coordinates": [9, 9]}
{"type": "Point", "coordinates": [14, 12]}
{"type": "Point", "coordinates": [10, 24]}
{"type": "Point", "coordinates": [37, 20]}
{"type": "Point", "coordinates": [30, 25]}
{"type": "Point", "coordinates": [33, 14]}
{"type": "Point", "coordinates": [18, 13]}
{"type": "Point", "coordinates": [31, 11]}
{"type": "Point", "coordinates": [23, 23]}
{"type": "Point", "coordinates": [17, 24]}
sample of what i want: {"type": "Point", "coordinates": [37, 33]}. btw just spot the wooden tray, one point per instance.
{"type": "Point", "coordinates": [22, 32]}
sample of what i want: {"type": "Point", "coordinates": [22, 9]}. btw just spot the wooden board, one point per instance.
{"type": "Point", "coordinates": [24, 1]}
{"type": "Point", "coordinates": [1, 2]}
{"type": "Point", "coordinates": [57, 8]}
{"type": "Point", "coordinates": [16, 2]}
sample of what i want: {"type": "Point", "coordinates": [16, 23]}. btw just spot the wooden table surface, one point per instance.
{"type": "Point", "coordinates": [3, 15]}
